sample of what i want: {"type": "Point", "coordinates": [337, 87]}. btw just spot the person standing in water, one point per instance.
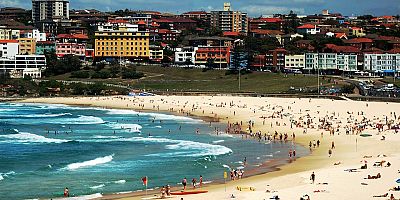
{"type": "Point", "coordinates": [66, 192]}
{"type": "Point", "coordinates": [184, 182]}
{"type": "Point", "coordinates": [201, 181]}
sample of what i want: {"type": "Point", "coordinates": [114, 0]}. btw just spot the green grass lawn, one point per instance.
{"type": "Point", "coordinates": [389, 79]}
{"type": "Point", "coordinates": [178, 79]}
{"type": "Point", "coordinates": [182, 79]}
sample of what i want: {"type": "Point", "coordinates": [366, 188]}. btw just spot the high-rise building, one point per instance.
{"type": "Point", "coordinates": [229, 20]}
{"type": "Point", "coordinates": [49, 10]}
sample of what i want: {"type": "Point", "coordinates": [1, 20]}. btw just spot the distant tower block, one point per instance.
{"type": "Point", "coordinates": [325, 12]}
{"type": "Point", "coordinates": [227, 6]}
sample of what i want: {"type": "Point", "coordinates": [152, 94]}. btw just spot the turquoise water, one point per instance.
{"type": "Point", "coordinates": [45, 148]}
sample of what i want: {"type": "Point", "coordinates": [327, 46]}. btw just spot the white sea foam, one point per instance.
{"type": "Point", "coordinates": [121, 112]}
{"type": "Point", "coordinates": [218, 141]}
{"type": "Point", "coordinates": [5, 175]}
{"type": "Point", "coordinates": [158, 126]}
{"type": "Point", "coordinates": [226, 166]}
{"type": "Point", "coordinates": [7, 110]}
{"type": "Point", "coordinates": [97, 186]}
{"type": "Point", "coordinates": [131, 127]}
{"type": "Point", "coordinates": [24, 137]}
{"type": "Point", "coordinates": [38, 115]}
{"type": "Point", "coordinates": [199, 149]}
{"type": "Point", "coordinates": [120, 181]}
{"type": "Point", "coordinates": [90, 163]}
{"type": "Point", "coordinates": [105, 137]}
{"type": "Point", "coordinates": [1, 177]}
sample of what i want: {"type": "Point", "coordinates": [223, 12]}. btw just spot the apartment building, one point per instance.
{"type": "Point", "coordinates": [27, 46]}
{"type": "Point", "coordinates": [331, 62]}
{"type": "Point", "coordinates": [21, 66]}
{"type": "Point", "coordinates": [295, 61]}
{"type": "Point", "coordinates": [185, 54]}
{"type": "Point", "coordinates": [219, 54]}
{"type": "Point", "coordinates": [8, 48]}
{"type": "Point", "coordinates": [49, 10]}
{"type": "Point", "coordinates": [8, 33]}
{"type": "Point", "coordinates": [387, 63]}
{"type": "Point", "coordinates": [126, 41]}
{"type": "Point", "coordinates": [229, 20]}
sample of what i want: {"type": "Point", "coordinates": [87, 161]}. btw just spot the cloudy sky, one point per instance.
{"type": "Point", "coordinates": [253, 7]}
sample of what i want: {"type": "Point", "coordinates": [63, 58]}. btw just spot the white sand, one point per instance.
{"type": "Point", "coordinates": [293, 180]}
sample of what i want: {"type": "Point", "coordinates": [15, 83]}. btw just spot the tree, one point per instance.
{"type": "Point", "coordinates": [210, 63]}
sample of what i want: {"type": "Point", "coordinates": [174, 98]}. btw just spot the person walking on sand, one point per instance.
{"type": "Point", "coordinates": [163, 192]}
{"type": "Point", "coordinates": [184, 182]}
{"type": "Point", "coordinates": [333, 145]}
{"type": "Point", "coordinates": [194, 183]}
{"type": "Point", "coordinates": [201, 181]}
{"type": "Point", "coordinates": [312, 178]}
{"type": "Point", "coordinates": [330, 152]}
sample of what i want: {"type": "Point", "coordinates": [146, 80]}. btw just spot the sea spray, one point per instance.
{"type": "Point", "coordinates": [90, 163]}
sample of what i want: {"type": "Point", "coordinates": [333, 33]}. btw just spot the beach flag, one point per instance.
{"type": "Point", "coordinates": [144, 179]}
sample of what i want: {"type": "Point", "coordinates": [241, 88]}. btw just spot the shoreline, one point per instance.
{"type": "Point", "coordinates": [267, 166]}
{"type": "Point", "coordinates": [317, 160]}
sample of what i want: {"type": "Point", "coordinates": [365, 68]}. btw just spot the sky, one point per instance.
{"type": "Point", "coordinates": [254, 8]}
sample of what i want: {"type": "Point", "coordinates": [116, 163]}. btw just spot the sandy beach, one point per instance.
{"type": "Point", "coordinates": [329, 121]}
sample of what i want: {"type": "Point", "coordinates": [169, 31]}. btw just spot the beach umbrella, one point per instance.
{"type": "Point", "coordinates": [365, 135]}
{"type": "Point", "coordinates": [398, 180]}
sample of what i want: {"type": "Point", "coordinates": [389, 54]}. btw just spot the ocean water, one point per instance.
{"type": "Point", "coordinates": [45, 148]}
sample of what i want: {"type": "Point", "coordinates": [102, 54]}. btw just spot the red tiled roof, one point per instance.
{"type": "Point", "coordinates": [358, 40]}
{"type": "Point", "coordinates": [174, 20]}
{"type": "Point", "coordinates": [387, 17]}
{"type": "Point", "coordinates": [267, 20]}
{"type": "Point", "coordinates": [373, 50]}
{"type": "Point", "coordinates": [342, 49]}
{"type": "Point", "coordinates": [397, 50]}
{"type": "Point", "coordinates": [306, 26]}
{"type": "Point", "coordinates": [8, 41]}
{"type": "Point", "coordinates": [117, 21]}
{"type": "Point", "coordinates": [266, 32]}
{"type": "Point", "coordinates": [195, 13]}
{"type": "Point", "coordinates": [163, 31]}
{"type": "Point", "coordinates": [141, 22]}
{"type": "Point", "coordinates": [72, 36]}
{"type": "Point", "coordinates": [230, 33]}
{"type": "Point", "coordinates": [356, 28]}
{"type": "Point", "coordinates": [340, 35]}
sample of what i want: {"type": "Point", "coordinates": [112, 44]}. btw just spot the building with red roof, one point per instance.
{"type": "Point", "coordinates": [309, 29]}
{"type": "Point", "coordinates": [360, 43]}
{"type": "Point", "coordinates": [266, 23]}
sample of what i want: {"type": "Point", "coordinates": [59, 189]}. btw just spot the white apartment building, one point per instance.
{"type": "Point", "coordinates": [295, 61]}
{"type": "Point", "coordinates": [185, 54]}
{"type": "Point", "coordinates": [23, 65]}
{"type": "Point", "coordinates": [382, 62]}
{"type": "Point", "coordinates": [331, 61]}
{"type": "Point", "coordinates": [8, 48]}
{"type": "Point", "coordinates": [39, 37]}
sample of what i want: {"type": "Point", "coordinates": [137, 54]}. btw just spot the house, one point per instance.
{"type": "Point", "coordinates": [356, 32]}
{"type": "Point", "coordinates": [360, 43]}
{"type": "Point", "coordinates": [211, 41]}
{"type": "Point", "coordinates": [308, 29]}
{"type": "Point", "coordinates": [332, 48]}
{"type": "Point", "coordinates": [45, 46]}
{"type": "Point", "coordinates": [275, 59]}
{"type": "Point", "coordinates": [305, 44]}
{"type": "Point", "coordinates": [260, 33]}
{"type": "Point", "coordinates": [266, 23]}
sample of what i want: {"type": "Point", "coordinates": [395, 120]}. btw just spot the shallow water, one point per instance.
{"type": "Point", "coordinates": [45, 148]}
